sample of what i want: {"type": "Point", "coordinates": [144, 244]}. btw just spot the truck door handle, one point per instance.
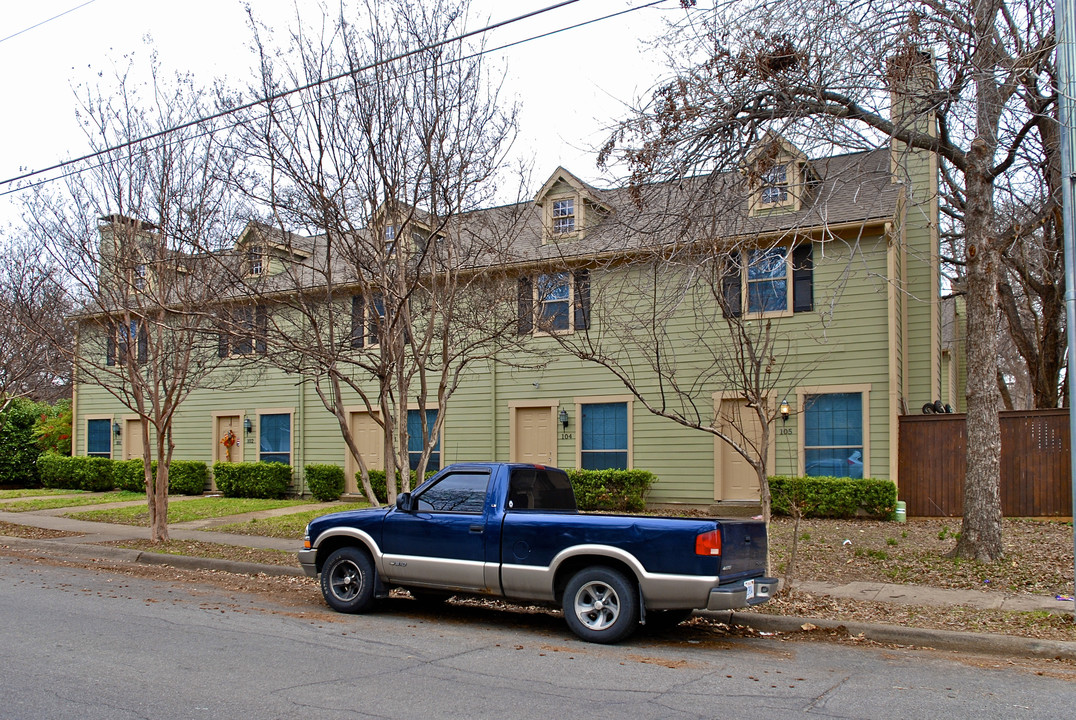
{"type": "Point", "coordinates": [476, 528]}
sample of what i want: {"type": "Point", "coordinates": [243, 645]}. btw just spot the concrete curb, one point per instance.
{"type": "Point", "coordinates": [185, 562]}
{"type": "Point", "coordinates": [988, 644]}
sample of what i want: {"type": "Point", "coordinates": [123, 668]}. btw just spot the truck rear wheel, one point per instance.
{"type": "Point", "coordinates": [347, 580]}
{"type": "Point", "coordinates": [600, 605]}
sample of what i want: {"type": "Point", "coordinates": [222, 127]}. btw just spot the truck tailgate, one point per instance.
{"type": "Point", "coordinates": [743, 549]}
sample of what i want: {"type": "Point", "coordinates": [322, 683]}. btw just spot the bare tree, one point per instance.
{"type": "Point", "coordinates": [124, 233]}
{"type": "Point", "coordinates": [822, 70]}
{"type": "Point", "coordinates": [394, 294]}
{"type": "Point", "coordinates": [31, 297]}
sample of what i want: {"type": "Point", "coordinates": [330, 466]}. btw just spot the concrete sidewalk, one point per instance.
{"type": "Point", "coordinates": [85, 535]}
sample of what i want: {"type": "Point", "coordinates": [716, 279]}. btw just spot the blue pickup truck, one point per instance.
{"type": "Point", "coordinates": [513, 531]}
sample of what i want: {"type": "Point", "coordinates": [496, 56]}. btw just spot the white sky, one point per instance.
{"type": "Point", "coordinates": [570, 86]}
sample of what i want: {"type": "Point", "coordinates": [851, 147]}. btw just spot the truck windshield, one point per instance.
{"type": "Point", "coordinates": [540, 489]}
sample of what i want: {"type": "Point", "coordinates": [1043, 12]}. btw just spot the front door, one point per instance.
{"type": "Point", "coordinates": [132, 439]}
{"type": "Point", "coordinates": [535, 436]}
{"type": "Point", "coordinates": [228, 440]}
{"type": "Point", "coordinates": [736, 478]}
{"type": "Point", "coordinates": [370, 441]}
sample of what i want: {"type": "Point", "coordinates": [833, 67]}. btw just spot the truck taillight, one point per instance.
{"type": "Point", "coordinates": [708, 543]}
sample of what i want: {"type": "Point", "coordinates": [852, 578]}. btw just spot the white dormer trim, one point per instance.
{"type": "Point", "coordinates": [569, 206]}
{"type": "Point", "coordinates": [777, 174]}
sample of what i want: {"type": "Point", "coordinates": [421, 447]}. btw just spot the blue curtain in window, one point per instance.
{"type": "Point", "coordinates": [414, 440]}
{"type": "Point", "coordinates": [99, 438]}
{"type": "Point", "coordinates": [275, 438]}
{"type": "Point", "coordinates": [833, 435]}
{"type": "Point", "coordinates": [604, 428]}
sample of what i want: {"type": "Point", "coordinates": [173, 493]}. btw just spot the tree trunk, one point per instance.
{"type": "Point", "coordinates": [980, 532]}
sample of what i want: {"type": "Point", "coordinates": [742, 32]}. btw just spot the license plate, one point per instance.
{"type": "Point", "coordinates": [750, 585]}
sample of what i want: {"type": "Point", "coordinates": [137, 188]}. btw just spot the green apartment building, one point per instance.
{"type": "Point", "coordinates": [839, 255]}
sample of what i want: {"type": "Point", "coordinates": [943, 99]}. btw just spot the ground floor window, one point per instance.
{"type": "Point", "coordinates": [414, 440]}
{"type": "Point", "coordinates": [99, 438]}
{"type": "Point", "coordinates": [833, 435]}
{"type": "Point", "coordinates": [604, 436]}
{"type": "Point", "coordinates": [275, 438]}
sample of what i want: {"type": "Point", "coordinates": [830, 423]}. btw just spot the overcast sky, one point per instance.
{"type": "Point", "coordinates": [590, 71]}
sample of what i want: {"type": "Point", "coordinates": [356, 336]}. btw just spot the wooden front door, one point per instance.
{"type": "Point", "coordinates": [535, 436]}
{"type": "Point", "coordinates": [736, 479]}
{"type": "Point", "coordinates": [221, 451]}
{"type": "Point", "coordinates": [132, 439]}
{"type": "Point", "coordinates": [370, 441]}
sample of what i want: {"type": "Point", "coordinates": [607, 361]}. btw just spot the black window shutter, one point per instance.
{"type": "Point", "coordinates": [110, 347]}
{"type": "Point", "coordinates": [358, 330]}
{"type": "Point", "coordinates": [261, 328]}
{"type": "Point", "coordinates": [526, 306]}
{"type": "Point", "coordinates": [731, 289]}
{"type": "Point", "coordinates": [143, 341]}
{"type": "Point", "coordinates": [582, 299]}
{"type": "Point", "coordinates": [803, 278]}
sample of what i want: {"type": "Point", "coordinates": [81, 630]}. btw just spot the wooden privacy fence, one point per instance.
{"type": "Point", "coordinates": [1035, 464]}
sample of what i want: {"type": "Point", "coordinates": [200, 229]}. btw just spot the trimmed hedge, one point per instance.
{"type": "Point", "coordinates": [326, 482]}
{"type": "Point", "coordinates": [611, 490]}
{"type": "Point", "coordinates": [75, 473]}
{"type": "Point", "coordinates": [185, 477]}
{"type": "Point", "coordinates": [252, 480]}
{"type": "Point", "coordinates": [830, 497]}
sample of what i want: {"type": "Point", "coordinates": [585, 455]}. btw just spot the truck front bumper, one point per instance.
{"type": "Point", "coordinates": [746, 594]}
{"type": "Point", "coordinates": [308, 559]}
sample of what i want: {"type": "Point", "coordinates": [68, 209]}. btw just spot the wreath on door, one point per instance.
{"type": "Point", "coordinates": [228, 441]}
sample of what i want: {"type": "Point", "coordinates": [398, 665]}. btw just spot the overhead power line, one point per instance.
{"type": "Point", "coordinates": [44, 22]}
{"type": "Point", "coordinates": [286, 93]}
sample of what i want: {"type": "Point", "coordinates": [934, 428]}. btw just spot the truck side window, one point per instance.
{"type": "Point", "coordinates": [540, 489]}
{"type": "Point", "coordinates": [458, 492]}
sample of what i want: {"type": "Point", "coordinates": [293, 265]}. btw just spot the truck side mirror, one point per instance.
{"type": "Point", "coordinates": [405, 503]}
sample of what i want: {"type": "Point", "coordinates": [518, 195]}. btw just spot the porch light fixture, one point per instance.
{"type": "Point", "coordinates": [116, 428]}
{"type": "Point", "coordinates": [785, 410]}
{"type": "Point", "coordinates": [248, 425]}
{"type": "Point", "coordinates": [563, 417]}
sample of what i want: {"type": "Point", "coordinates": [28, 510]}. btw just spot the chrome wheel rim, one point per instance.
{"type": "Point", "coordinates": [346, 581]}
{"type": "Point", "coordinates": [597, 605]}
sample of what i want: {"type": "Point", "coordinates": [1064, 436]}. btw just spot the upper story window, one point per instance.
{"type": "Point", "coordinates": [774, 186]}
{"type": "Point", "coordinates": [554, 303]}
{"type": "Point", "coordinates": [367, 320]}
{"type": "Point", "coordinates": [563, 216]}
{"type": "Point", "coordinates": [768, 280]}
{"type": "Point", "coordinates": [125, 337]}
{"type": "Point", "coordinates": [244, 332]}
{"type": "Point", "coordinates": [140, 276]}
{"type": "Point", "coordinates": [255, 260]}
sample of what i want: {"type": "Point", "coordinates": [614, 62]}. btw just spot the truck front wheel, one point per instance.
{"type": "Point", "coordinates": [347, 580]}
{"type": "Point", "coordinates": [600, 605]}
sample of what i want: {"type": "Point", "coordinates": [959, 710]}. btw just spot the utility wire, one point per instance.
{"type": "Point", "coordinates": [43, 22]}
{"type": "Point", "coordinates": [270, 98]}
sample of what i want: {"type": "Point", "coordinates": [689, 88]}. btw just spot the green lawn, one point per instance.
{"type": "Point", "coordinates": [186, 510]}
{"type": "Point", "coordinates": [286, 526]}
{"type": "Point", "coordinates": [34, 492]}
{"type": "Point", "coordinates": [59, 502]}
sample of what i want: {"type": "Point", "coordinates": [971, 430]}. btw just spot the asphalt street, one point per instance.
{"type": "Point", "coordinates": [89, 643]}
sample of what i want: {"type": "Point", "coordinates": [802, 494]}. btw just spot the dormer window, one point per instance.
{"type": "Point", "coordinates": [563, 216]}
{"type": "Point", "coordinates": [774, 185]}
{"type": "Point", "coordinates": [140, 276]}
{"type": "Point", "coordinates": [255, 260]}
